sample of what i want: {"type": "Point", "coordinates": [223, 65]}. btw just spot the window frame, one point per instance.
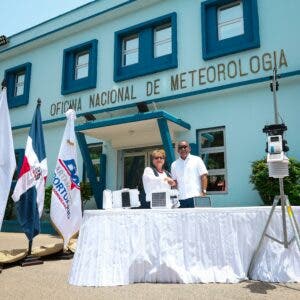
{"type": "Point", "coordinates": [80, 66]}
{"type": "Point", "coordinates": [217, 149]}
{"type": "Point", "coordinates": [125, 51]}
{"type": "Point", "coordinates": [155, 43]}
{"type": "Point", "coordinates": [10, 76]}
{"type": "Point", "coordinates": [232, 21]}
{"type": "Point", "coordinates": [212, 47]}
{"type": "Point", "coordinates": [69, 83]}
{"type": "Point", "coordinates": [19, 83]}
{"type": "Point", "coordinates": [147, 63]}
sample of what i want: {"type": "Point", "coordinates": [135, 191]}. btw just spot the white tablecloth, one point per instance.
{"type": "Point", "coordinates": [181, 246]}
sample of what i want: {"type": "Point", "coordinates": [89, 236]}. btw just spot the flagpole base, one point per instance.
{"type": "Point", "coordinates": [31, 260]}
{"type": "Point", "coordinates": [67, 254]}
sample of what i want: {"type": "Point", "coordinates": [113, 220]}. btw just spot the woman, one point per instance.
{"type": "Point", "coordinates": [157, 178]}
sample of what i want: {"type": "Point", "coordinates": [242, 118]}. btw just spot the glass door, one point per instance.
{"type": "Point", "coordinates": [134, 165]}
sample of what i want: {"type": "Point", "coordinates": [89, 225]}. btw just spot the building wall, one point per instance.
{"type": "Point", "coordinates": [242, 103]}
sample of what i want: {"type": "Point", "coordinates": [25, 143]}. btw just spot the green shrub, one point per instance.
{"type": "Point", "coordinates": [86, 192]}
{"type": "Point", "coordinates": [268, 187]}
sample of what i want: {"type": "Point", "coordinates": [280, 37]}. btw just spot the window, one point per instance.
{"type": "Point", "coordinates": [212, 149]}
{"type": "Point", "coordinates": [18, 85]}
{"type": "Point", "coordinates": [228, 27]}
{"type": "Point", "coordinates": [163, 40]}
{"type": "Point", "coordinates": [130, 52]}
{"type": "Point", "coordinates": [79, 68]}
{"type": "Point", "coordinates": [230, 20]}
{"type": "Point", "coordinates": [146, 48]}
{"type": "Point", "coordinates": [82, 65]}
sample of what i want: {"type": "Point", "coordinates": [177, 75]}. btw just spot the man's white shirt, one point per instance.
{"type": "Point", "coordinates": [187, 173]}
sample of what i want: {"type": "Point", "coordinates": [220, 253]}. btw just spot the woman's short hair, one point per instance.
{"type": "Point", "coordinates": [158, 152]}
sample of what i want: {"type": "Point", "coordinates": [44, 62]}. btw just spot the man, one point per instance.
{"type": "Point", "coordinates": [190, 174]}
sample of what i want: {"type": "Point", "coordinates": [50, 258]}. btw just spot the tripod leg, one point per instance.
{"type": "Point", "coordinates": [283, 204]}
{"type": "Point", "coordinates": [293, 222]}
{"type": "Point", "coordinates": [276, 199]}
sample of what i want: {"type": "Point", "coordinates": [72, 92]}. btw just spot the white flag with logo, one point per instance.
{"type": "Point", "coordinates": [65, 210]}
{"type": "Point", "coordinates": [7, 154]}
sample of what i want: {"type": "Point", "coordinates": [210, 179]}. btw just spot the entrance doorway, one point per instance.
{"type": "Point", "coordinates": [134, 163]}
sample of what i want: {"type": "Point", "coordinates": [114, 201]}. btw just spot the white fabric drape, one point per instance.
{"type": "Point", "coordinates": [181, 246]}
{"type": "Point", "coordinates": [7, 154]}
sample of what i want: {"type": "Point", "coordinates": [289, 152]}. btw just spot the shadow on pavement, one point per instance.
{"type": "Point", "coordinates": [259, 287]}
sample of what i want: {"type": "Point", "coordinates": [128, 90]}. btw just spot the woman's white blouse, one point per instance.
{"type": "Point", "coordinates": [154, 183]}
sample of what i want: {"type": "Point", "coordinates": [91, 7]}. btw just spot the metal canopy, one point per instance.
{"type": "Point", "coordinates": [137, 130]}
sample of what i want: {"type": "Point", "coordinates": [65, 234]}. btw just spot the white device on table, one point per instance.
{"type": "Point", "coordinates": [164, 199]}
{"type": "Point", "coordinates": [125, 198]}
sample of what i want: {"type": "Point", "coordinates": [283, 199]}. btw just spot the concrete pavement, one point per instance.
{"type": "Point", "coordinates": [50, 281]}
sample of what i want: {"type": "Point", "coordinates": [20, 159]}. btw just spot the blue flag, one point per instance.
{"type": "Point", "coordinates": [29, 191]}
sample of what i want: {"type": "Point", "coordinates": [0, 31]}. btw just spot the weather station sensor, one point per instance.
{"type": "Point", "coordinates": [278, 163]}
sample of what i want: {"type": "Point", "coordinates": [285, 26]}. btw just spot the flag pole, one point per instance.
{"type": "Point", "coordinates": [29, 247]}
{"type": "Point", "coordinates": [30, 259]}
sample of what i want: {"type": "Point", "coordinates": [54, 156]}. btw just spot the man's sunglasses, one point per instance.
{"type": "Point", "coordinates": [158, 157]}
{"type": "Point", "coordinates": [182, 147]}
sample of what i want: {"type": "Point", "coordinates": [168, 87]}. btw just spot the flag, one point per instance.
{"type": "Point", "coordinates": [7, 154]}
{"type": "Point", "coordinates": [65, 209]}
{"type": "Point", "coordinates": [29, 192]}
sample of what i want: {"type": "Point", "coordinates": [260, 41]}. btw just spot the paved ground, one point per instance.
{"type": "Point", "coordinates": [49, 281]}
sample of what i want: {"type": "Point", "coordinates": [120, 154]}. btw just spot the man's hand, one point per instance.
{"type": "Point", "coordinates": [170, 181]}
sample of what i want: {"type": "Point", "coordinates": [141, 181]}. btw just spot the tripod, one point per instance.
{"type": "Point", "coordinates": [285, 203]}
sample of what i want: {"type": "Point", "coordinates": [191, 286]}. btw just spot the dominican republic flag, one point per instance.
{"type": "Point", "coordinates": [65, 210]}
{"type": "Point", "coordinates": [7, 154]}
{"type": "Point", "coordinates": [29, 191]}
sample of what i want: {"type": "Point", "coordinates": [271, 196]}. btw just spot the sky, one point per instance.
{"type": "Point", "coordinates": [18, 15]}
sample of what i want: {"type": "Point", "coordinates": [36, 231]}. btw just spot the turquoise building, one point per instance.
{"type": "Point", "coordinates": [144, 74]}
